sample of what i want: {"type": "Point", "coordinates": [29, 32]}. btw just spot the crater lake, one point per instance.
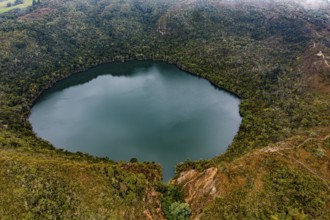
{"type": "Point", "coordinates": [147, 110]}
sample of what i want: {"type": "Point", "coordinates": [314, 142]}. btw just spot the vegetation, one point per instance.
{"type": "Point", "coordinates": [264, 53]}
{"type": "Point", "coordinates": [8, 5]}
{"type": "Point", "coordinates": [44, 185]}
{"type": "Point", "coordinates": [173, 204]}
{"type": "Point", "coordinates": [287, 180]}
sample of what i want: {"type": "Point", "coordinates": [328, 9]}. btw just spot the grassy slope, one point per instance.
{"type": "Point", "coordinates": [44, 184]}
{"type": "Point", "coordinates": [285, 180]}
{"type": "Point", "coordinates": [4, 8]}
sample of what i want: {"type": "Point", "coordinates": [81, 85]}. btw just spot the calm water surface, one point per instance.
{"type": "Point", "coordinates": [148, 110]}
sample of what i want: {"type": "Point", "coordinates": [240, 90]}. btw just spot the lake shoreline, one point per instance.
{"type": "Point", "coordinates": [170, 81]}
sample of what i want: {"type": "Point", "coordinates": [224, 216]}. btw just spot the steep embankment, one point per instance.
{"type": "Point", "coordinates": [290, 178]}
{"type": "Point", "coordinates": [45, 184]}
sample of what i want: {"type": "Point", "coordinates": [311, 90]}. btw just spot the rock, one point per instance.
{"type": "Point", "coordinates": [198, 185]}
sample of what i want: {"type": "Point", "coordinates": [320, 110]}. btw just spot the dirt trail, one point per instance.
{"type": "Point", "coordinates": [307, 168]}
{"type": "Point", "coordinates": [321, 54]}
{"type": "Point", "coordinates": [283, 146]}
{"type": "Point", "coordinates": [275, 149]}
{"type": "Point", "coordinates": [278, 149]}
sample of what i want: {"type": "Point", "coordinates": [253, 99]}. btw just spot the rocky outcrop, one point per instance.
{"type": "Point", "coordinates": [260, 179]}
{"type": "Point", "coordinates": [198, 187]}
{"type": "Point", "coordinates": [153, 210]}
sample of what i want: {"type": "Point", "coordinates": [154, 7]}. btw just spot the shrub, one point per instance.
{"type": "Point", "coordinates": [179, 211]}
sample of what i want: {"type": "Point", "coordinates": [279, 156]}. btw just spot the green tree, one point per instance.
{"type": "Point", "coordinates": [179, 211]}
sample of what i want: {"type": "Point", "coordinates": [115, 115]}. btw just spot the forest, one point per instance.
{"type": "Point", "coordinates": [264, 52]}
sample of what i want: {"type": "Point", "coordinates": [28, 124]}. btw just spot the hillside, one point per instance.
{"type": "Point", "coordinates": [285, 180]}
{"type": "Point", "coordinates": [275, 55]}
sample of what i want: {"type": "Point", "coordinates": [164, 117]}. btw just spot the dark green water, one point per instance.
{"type": "Point", "coordinates": [149, 110]}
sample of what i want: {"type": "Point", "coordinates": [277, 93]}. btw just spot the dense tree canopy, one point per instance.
{"type": "Point", "coordinates": [265, 53]}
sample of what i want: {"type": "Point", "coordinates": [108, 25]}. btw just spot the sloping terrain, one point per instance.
{"type": "Point", "coordinates": [274, 55]}
{"type": "Point", "coordinates": [45, 186]}
{"type": "Point", "coordinates": [287, 179]}
{"type": "Point", "coordinates": [42, 183]}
